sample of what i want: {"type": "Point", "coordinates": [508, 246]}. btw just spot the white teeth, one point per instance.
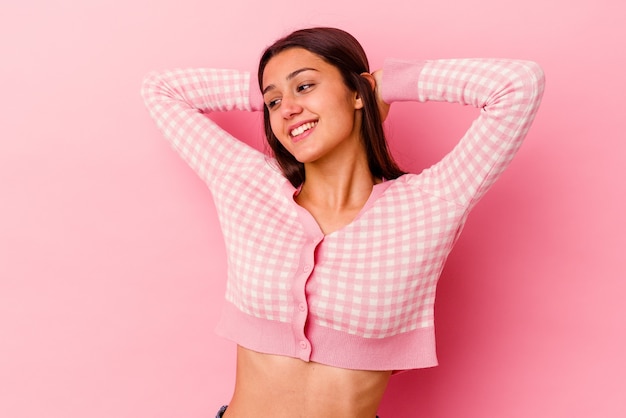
{"type": "Point", "coordinates": [304, 127]}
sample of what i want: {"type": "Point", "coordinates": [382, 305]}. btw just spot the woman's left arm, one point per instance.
{"type": "Point", "coordinates": [507, 93]}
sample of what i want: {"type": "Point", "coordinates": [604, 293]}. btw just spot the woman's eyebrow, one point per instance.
{"type": "Point", "coordinates": [289, 77]}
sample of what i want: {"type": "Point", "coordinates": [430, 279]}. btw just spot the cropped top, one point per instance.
{"type": "Point", "coordinates": [361, 297]}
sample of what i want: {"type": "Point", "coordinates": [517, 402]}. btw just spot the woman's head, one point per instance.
{"type": "Point", "coordinates": [343, 52]}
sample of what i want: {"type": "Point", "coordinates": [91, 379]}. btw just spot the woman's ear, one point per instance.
{"type": "Point", "coordinates": [370, 79]}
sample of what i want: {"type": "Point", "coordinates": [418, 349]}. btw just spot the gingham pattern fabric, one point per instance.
{"type": "Point", "coordinates": [361, 297]}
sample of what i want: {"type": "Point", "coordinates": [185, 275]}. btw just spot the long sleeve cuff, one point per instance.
{"type": "Point", "coordinates": [400, 80]}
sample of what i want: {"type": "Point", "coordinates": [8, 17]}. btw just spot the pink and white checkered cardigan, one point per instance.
{"type": "Point", "coordinates": [361, 297]}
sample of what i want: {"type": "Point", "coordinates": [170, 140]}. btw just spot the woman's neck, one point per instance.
{"type": "Point", "coordinates": [337, 186]}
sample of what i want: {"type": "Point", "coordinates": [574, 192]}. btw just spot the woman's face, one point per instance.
{"type": "Point", "coordinates": [312, 112]}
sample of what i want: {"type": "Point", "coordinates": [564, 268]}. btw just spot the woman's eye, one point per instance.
{"type": "Point", "coordinates": [273, 103]}
{"type": "Point", "coordinates": [303, 87]}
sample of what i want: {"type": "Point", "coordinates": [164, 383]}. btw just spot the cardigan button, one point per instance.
{"type": "Point", "coordinates": [307, 268]}
{"type": "Point", "coordinates": [303, 345]}
{"type": "Point", "coordinates": [302, 307]}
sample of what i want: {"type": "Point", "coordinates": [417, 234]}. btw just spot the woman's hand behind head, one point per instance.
{"type": "Point", "coordinates": [383, 107]}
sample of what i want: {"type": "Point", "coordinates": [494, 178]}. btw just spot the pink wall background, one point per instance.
{"type": "Point", "coordinates": [111, 259]}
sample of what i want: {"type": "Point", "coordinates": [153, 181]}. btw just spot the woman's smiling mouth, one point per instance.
{"type": "Point", "coordinates": [305, 127]}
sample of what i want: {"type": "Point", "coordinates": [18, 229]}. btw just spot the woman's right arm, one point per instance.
{"type": "Point", "coordinates": [179, 100]}
{"type": "Point", "coordinates": [507, 94]}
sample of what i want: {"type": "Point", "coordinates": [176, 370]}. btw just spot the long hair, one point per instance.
{"type": "Point", "coordinates": [344, 52]}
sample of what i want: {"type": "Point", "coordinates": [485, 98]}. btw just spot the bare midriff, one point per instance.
{"type": "Point", "coordinates": [283, 387]}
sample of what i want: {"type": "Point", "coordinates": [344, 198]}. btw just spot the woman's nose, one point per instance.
{"type": "Point", "coordinates": [289, 106]}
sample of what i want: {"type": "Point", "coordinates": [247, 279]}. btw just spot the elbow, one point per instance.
{"type": "Point", "coordinates": [533, 78]}
{"type": "Point", "coordinates": [149, 84]}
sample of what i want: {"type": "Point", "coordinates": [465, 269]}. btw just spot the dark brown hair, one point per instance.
{"type": "Point", "coordinates": [343, 51]}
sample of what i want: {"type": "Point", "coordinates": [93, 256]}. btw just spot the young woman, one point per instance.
{"type": "Point", "coordinates": [333, 252]}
